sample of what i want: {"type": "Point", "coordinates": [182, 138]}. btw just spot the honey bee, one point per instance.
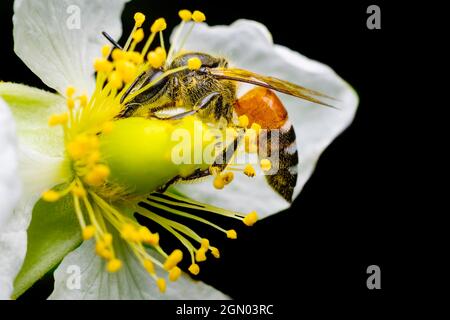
{"type": "Point", "coordinates": [210, 93]}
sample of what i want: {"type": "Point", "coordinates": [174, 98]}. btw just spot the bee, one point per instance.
{"type": "Point", "coordinates": [210, 93]}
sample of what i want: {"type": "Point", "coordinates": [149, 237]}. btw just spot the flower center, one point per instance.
{"type": "Point", "coordinates": [118, 163]}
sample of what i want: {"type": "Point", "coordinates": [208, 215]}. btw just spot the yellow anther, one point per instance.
{"type": "Point", "coordinates": [215, 252]}
{"type": "Point", "coordinates": [227, 177]}
{"type": "Point", "coordinates": [107, 127]}
{"type": "Point", "coordinates": [194, 269]}
{"type": "Point", "coordinates": [249, 170]}
{"type": "Point", "coordinates": [218, 182]}
{"type": "Point", "coordinates": [204, 243]}
{"type": "Point", "coordinates": [161, 52]}
{"type": "Point", "coordinates": [115, 79]}
{"type": "Point", "coordinates": [138, 35]}
{"type": "Point", "coordinates": [156, 60]}
{"type": "Point", "coordinates": [78, 191]}
{"type": "Point", "coordinates": [127, 232]}
{"type": "Point", "coordinates": [243, 121]}
{"type": "Point", "coordinates": [58, 119]}
{"type": "Point", "coordinates": [107, 239]}
{"type": "Point", "coordinates": [194, 63]}
{"type": "Point", "coordinates": [265, 164]}
{"type": "Point", "coordinates": [51, 196]}
{"type": "Point", "coordinates": [161, 283]}
{"type": "Point", "coordinates": [88, 232]}
{"type": "Point", "coordinates": [185, 15]}
{"type": "Point", "coordinates": [127, 70]}
{"type": "Point", "coordinates": [139, 19]}
{"type": "Point", "coordinates": [103, 65]}
{"type": "Point", "coordinates": [256, 127]}
{"type": "Point", "coordinates": [148, 265]}
{"type": "Point", "coordinates": [83, 100]}
{"type": "Point", "coordinates": [105, 254]}
{"type": "Point", "coordinates": [118, 54]}
{"type": "Point", "coordinates": [113, 265]}
{"type": "Point", "coordinates": [173, 259]}
{"type": "Point", "coordinates": [159, 25]}
{"type": "Point", "coordinates": [106, 50]}
{"type": "Point", "coordinates": [231, 234]}
{"type": "Point", "coordinates": [174, 274]}
{"type": "Point", "coordinates": [144, 234]}
{"type": "Point", "coordinates": [93, 157]}
{"type": "Point", "coordinates": [198, 16]}
{"type": "Point", "coordinates": [100, 247]}
{"type": "Point", "coordinates": [70, 91]}
{"type": "Point", "coordinates": [154, 239]}
{"type": "Point", "coordinates": [70, 103]}
{"type": "Point", "coordinates": [200, 255]}
{"type": "Point", "coordinates": [251, 218]}
{"type": "Point", "coordinates": [97, 176]}
{"type": "Point", "coordinates": [135, 57]}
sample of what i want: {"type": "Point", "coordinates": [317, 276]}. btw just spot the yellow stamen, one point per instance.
{"type": "Point", "coordinates": [185, 15]}
{"type": "Point", "coordinates": [106, 49]}
{"type": "Point", "coordinates": [161, 283]}
{"type": "Point", "coordinates": [51, 196]}
{"type": "Point", "coordinates": [78, 191]}
{"type": "Point", "coordinates": [115, 80]}
{"type": "Point", "coordinates": [266, 165]}
{"type": "Point", "coordinates": [231, 234]}
{"type": "Point", "coordinates": [256, 127]}
{"type": "Point", "coordinates": [215, 252]}
{"type": "Point", "coordinates": [138, 36]}
{"type": "Point", "coordinates": [159, 25]}
{"type": "Point", "coordinates": [243, 121]}
{"type": "Point", "coordinates": [173, 259]}
{"type": "Point", "coordinates": [58, 119]}
{"type": "Point", "coordinates": [218, 182]}
{"type": "Point", "coordinates": [149, 266]}
{"type": "Point", "coordinates": [194, 269]}
{"type": "Point", "coordinates": [251, 218]}
{"type": "Point", "coordinates": [70, 91]}
{"type": "Point", "coordinates": [198, 16]}
{"type": "Point", "coordinates": [174, 274]}
{"type": "Point", "coordinates": [139, 19]}
{"type": "Point", "coordinates": [88, 232]}
{"type": "Point", "coordinates": [97, 175]}
{"type": "Point", "coordinates": [227, 177]}
{"type": "Point", "coordinates": [103, 65]}
{"type": "Point", "coordinates": [249, 170]}
{"type": "Point", "coordinates": [200, 255]}
{"type": "Point", "coordinates": [83, 100]}
{"type": "Point", "coordinates": [114, 265]}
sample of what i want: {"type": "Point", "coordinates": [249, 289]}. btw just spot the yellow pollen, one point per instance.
{"type": "Point", "coordinates": [70, 91]}
{"type": "Point", "coordinates": [198, 16]}
{"type": "Point", "coordinates": [118, 54]}
{"type": "Point", "coordinates": [149, 266]}
{"type": "Point", "coordinates": [251, 218]}
{"type": "Point", "coordinates": [155, 59]}
{"type": "Point", "coordinates": [139, 19]}
{"type": "Point", "coordinates": [194, 63]}
{"type": "Point", "coordinates": [215, 252]}
{"type": "Point", "coordinates": [103, 65]}
{"type": "Point", "coordinates": [107, 239]}
{"type": "Point", "coordinates": [266, 165]}
{"type": "Point", "coordinates": [51, 196]}
{"type": "Point", "coordinates": [161, 283]}
{"type": "Point", "coordinates": [78, 191]}
{"type": "Point", "coordinates": [138, 36]}
{"type": "Point", "coordinates": [243, 121]}
{"type": "Point", "coordinates": [97, 176]}
{"type": "Point", "coordinates": [128, 232]}
{"type": "Point", "coordinates": [127, 71]}
{"type": "Point", "coordinates": [105, 50]}
{"type": "Point", "coordinates": [185, 15]}
{"type": "Point", "coordinates": [83, 100]}
{"type": "Point", "coordinates": [113, 265]}
{"type": "Point", "coordinates": [70, 103]}
{"type": "Point", "coordinates": [174, 274]}
{"type": "Point", "coordinates": [256, 127]}
{"type": "Point", "coordinates": [218, 182]}
{"type": "Point", "coordinates": [227, 177]}
{"type": "Point", "coordinates": [194, 269]}
{"type": "Point", "coordinates": [173, 259]}
{"type": "Point", "coordinates": [135, 57]}
{"type": "Point", "coordinates": [159, 25]}
{"type": "Point", "coordinates": [115, 80]}
{"type": "Point", "coordinates": [205, 243]}
{"type": "Point", "coordinates": [58, 119]}
{"type": "Point", "coordinates": [200, 255]}
{"type": "Point", "coordinates": [231, 234]}
{"type": "Point", "coordinates": [249, 170]}
{"type": "Point", "coordinates": [88, 232]}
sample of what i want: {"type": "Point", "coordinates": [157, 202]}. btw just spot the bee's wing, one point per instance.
{"type": "Point", "coordinates": [270, 83]}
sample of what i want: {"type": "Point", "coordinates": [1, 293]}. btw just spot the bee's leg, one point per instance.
{"type": "Point", "coordinates": [200, 105]}
{"type": "Point", "coordinates": [220, 163]}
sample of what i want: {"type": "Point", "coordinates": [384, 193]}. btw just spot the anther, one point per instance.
{"type": "Point", "coordinates": [139, 19]}
{"type": "Point", "coordinates": [115, 80]}
{"type": "Point", "coordinates": [161, 283]}
{"type": "Point", "coordinates": [159, 25]}
{"type": "Point", "coordinates": [243, 121]}
{"type": "Point", "coordinates": [78, 191]}
{"type": "Point", "coordinates": [174, 274]}
{"type": "Point", "coordinates": [173, 259]}
{"type": "Point", "coordinates": [148, 265]}
{"type": "Point", "coordinates": [251, 218]}
{"type": "Point", "coordinates": [138, 35]}
{"type": "Point", "coordinates": [198, 16]}
{"type": "Point", "coordinates": [194, 269]}
{"type": "Point", "coordinates": [185, 15]}
{"type": "Point", "coordinates": [103, 65]}
{"type": "Point", "coordinates": [88, 232]}
{"type": "Point", "coordinates": [218, 182]}
{"type": "Point", "coordinates": [231, 234]}
{"type": "Point", "coordinates": [105, 50]}
{"type": "Point", "coordinates": [200, 255]}
{"type": "Point", "coordinates": [70, 91]}
{"type": "Point", "coordinates": [265, 164]}
{"type": "Point", "coordinates": [194, 63]}
{"type": "Point", "coordinates": [114, 265]}
{"type": "Point", "coordinates": [215, 252]}
{"type": "Point", "coordinates": [249, 170]}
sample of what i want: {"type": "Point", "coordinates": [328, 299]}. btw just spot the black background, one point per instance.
{"type": "Point", "coordinates": [351, 213]}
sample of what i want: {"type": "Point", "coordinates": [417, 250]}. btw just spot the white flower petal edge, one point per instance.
{"type": "Point", "coordinates": [248, 45]}
{"type": "Point", "coordinates": [131, 282]}
{"type": "Point", "coordinates": [39, 147]}
{"type": "Point", "coordinates": [9, 195]}
{"type": "Point", "coordinates": [59, 39]}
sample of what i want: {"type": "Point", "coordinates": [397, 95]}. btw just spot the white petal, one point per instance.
{"type": "Point", "coordinates": [9, 195]}
{"type": "Point", "coordinates": [59, 39]}
{"type": "Point", "coordinates": [40, 166]}
{"type": "Point", "coordinates": [248, 45]}
{"type": "Point", "coordinates": [131, 282]}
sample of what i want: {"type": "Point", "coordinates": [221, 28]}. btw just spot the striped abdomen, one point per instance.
{"type": "Point", "coordinates": [262, 106]}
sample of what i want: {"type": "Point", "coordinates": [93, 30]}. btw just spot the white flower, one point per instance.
{"type": "Point", "coordinates": [62, 57]}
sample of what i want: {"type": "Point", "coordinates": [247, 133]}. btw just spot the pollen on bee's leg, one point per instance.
{"type": "Point", "coordinates": [265, 164]}
{"type": "Point", "coordinates": [249, 170]}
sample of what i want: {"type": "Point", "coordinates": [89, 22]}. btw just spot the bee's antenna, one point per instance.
{"type": "Point", "coordinates": [110, 39]}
